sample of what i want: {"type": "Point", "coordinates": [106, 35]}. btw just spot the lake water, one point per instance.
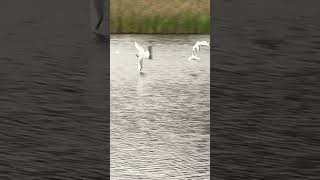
{"type": "Point", "coordinates": [265, 89]}
{"type": "Point", "coordinates": [265, 96]}
{"type": "Point", "coordinates": [160, 122]}
{"type": "Point", "coordinates": [53, 92]}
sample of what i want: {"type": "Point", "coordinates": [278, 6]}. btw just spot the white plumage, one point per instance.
{"type": "Point", "coordinates": [141, 55]}
{"type": "Point", "coordinates": [196, 49]}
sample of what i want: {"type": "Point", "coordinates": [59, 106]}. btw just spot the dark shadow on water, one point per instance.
{"type": "Point", "coordinates": [142, 74]}
{"type": "Point", "coordinates": [194, 75]}
{"type": "Point", "coordinates": [100, 39]}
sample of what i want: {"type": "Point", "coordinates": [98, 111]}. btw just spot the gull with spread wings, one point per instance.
{"type": "Point", "coordinates": [196, 49]}
{"type": "Point", "coordinates": [141, 55]}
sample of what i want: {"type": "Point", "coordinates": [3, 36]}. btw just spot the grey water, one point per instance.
{"type": "Point", "coordinates": [53, 92]}
{"type": "Point", "coordinates": [160, 118]}
{"type": "Point", "coordinates": [265, 89]}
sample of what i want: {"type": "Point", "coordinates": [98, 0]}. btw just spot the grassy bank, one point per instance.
{"type": "Point", "coordinates": [160, 16]}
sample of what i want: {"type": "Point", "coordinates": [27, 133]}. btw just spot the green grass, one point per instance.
{"type": "Point", "coordinates": [158, 24]}
{"type": "Point", "coordinates": [154, 16]}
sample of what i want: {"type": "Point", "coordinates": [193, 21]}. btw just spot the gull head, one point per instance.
{"type": "Point", "coordinates": [207, 43]}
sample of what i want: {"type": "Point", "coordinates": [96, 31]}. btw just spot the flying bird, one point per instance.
{"type": "Point", "coordinates": [141, 55]}
{"type": "Point", "coordinates": [196, 49]}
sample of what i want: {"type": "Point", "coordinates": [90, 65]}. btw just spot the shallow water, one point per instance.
{"type": "Point", "coordinates": [160, 118]}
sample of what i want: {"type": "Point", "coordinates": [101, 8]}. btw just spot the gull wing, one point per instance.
{"type": "Point", "coordinates": [203, 43]}
{"type": "Point", "coordinates": [147, 54]}
{"type": "Point", "coordinates": [139, 48]}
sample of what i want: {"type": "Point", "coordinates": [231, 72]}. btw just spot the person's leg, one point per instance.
{"type": "Point", "coordinates": [99, 16]}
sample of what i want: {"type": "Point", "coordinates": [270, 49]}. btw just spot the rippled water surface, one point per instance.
{"type": "Point", "coordinates": [160, 118]}
{"type": "Point", "coordinates": [265, 89]}
{"type": "Point", "coordinates": [53, 92]}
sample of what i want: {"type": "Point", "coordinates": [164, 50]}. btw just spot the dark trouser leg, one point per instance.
{"type": "Point", "coordinates": [99, 16]}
